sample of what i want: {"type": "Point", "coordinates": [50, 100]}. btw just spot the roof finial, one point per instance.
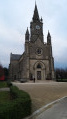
{"type": "Point", "coordinates": [35, 15]}
{"type": "Point", "coordinates": [35, 5]}
{"type": "Point", "coordinates": [35, 2]}
{"type": "Point", "coordinates": [41, 19]}
{"type": "Point", "coordinates": [49, 34]}
{"type": "Point", "coordinates": [27, 31]}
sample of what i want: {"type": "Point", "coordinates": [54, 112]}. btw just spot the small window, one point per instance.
{"type": "Point", "coordinates": [39, 51]}
{"type": "Point", "coordinates": [38, 66]}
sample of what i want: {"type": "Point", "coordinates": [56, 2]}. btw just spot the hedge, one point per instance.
{"type": "Point", "coordinates": [9, 83]}
{"type": "Point", "coordinates": [18, 108]}
{"type": "Point", "coordinates": [61, 80]}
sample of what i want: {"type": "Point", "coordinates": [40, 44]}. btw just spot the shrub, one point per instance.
{"type": "Point", "coordinates": [18, 108]}
{"type": "Point", "coordinates": [9, 83]}
{"type": "Point", "coordinates": [61, 80]}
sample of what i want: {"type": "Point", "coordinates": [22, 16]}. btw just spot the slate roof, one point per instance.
{"type": "Point", "coordinates": [15, 56]}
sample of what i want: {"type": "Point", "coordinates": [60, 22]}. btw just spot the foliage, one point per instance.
{"type": "Point", "coordinates": [4, 96]}
{"type": "Point", "coordinates": [61, 75]}
{"type": "Point", "coordinates": [18, 108]}
{"type": "Point", "coordinates": [1, 71]}
{"type": "Point", "coordinates": [6, 73]}
{"type": "Point", "coordinates": [3, 84]}
{"type": "Point", "coordinates": [9, 83]}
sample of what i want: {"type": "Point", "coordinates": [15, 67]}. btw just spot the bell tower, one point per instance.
{"type": "Point", "coordinates": [36, 26]}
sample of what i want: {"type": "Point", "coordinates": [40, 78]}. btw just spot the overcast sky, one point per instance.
{"type": "Point", "coordinates": [15, 17]}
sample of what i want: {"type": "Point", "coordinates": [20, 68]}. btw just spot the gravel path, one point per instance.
{"type": "Point", "coordinates": [43, 92]}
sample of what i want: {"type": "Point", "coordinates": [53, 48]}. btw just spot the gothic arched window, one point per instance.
{"type": "Point", "coordinates": [38, 66]}
{"type": "Point", "coordinates": [39, 51]}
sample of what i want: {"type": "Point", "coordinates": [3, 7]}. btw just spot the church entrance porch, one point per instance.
{"type": "Point", "coordinates": [39, 71]}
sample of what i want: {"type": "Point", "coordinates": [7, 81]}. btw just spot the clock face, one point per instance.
{"type": "Point", "coordinates": [37, 27]}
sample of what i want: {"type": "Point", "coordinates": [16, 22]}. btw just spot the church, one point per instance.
{"type": "Point", "coordinates": [37, 59]}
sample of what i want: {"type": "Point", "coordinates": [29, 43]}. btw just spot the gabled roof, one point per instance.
{"type": "Point", "coordinates": [15, 56]}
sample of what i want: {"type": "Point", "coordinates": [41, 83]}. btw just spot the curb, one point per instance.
{"type": "Point", "coordinates": [4, 89]}
{"type": "Point", "coordinates": [37, 112]}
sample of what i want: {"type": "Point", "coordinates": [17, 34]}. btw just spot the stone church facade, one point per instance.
{"type": "Point", "coordinates": [37, 60]}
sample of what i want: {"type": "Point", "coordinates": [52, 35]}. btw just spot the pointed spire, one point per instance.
{"type": "Point", "coordinates": [49, 38]}
{"type": "Point", "coordinates": [27, 31]}
{"type": "Point", "coordinates": [27, 35]}
{"type": "Point", "coordinates": [48, 34]}
{"type": "Point", "coordinates": [41, 19]}
{"type": "Point", "coordinates": [36, 15]}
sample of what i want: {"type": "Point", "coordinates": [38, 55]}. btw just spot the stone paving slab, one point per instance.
{"type": "Point", "coordinates": [39, 114]}
{"type": "Point", "coordinates": [4, 89]}
{"type": "Point", "coordinates": [57, 111]}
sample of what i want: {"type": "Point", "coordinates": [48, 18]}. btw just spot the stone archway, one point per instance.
{"type": "Point", "coordinates": [39, 71]}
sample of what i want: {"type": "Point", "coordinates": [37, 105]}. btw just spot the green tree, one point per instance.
{"type": "Point", "coordinates": [6, 73]}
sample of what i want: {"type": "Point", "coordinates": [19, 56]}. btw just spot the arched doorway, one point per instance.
{"type": "Point", "coordinates": [39, 71]}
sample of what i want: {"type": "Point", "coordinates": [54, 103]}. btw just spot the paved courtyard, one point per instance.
{"type": "Point", "coordinates": [43, 92]}
{"type": "Point", "coordinates": [57, 111]}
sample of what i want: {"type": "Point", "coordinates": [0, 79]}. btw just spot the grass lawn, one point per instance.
{"type": "Point", "coordinates": [3, 84]}
{"type": "Point", "coordinates": [4, 96]}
